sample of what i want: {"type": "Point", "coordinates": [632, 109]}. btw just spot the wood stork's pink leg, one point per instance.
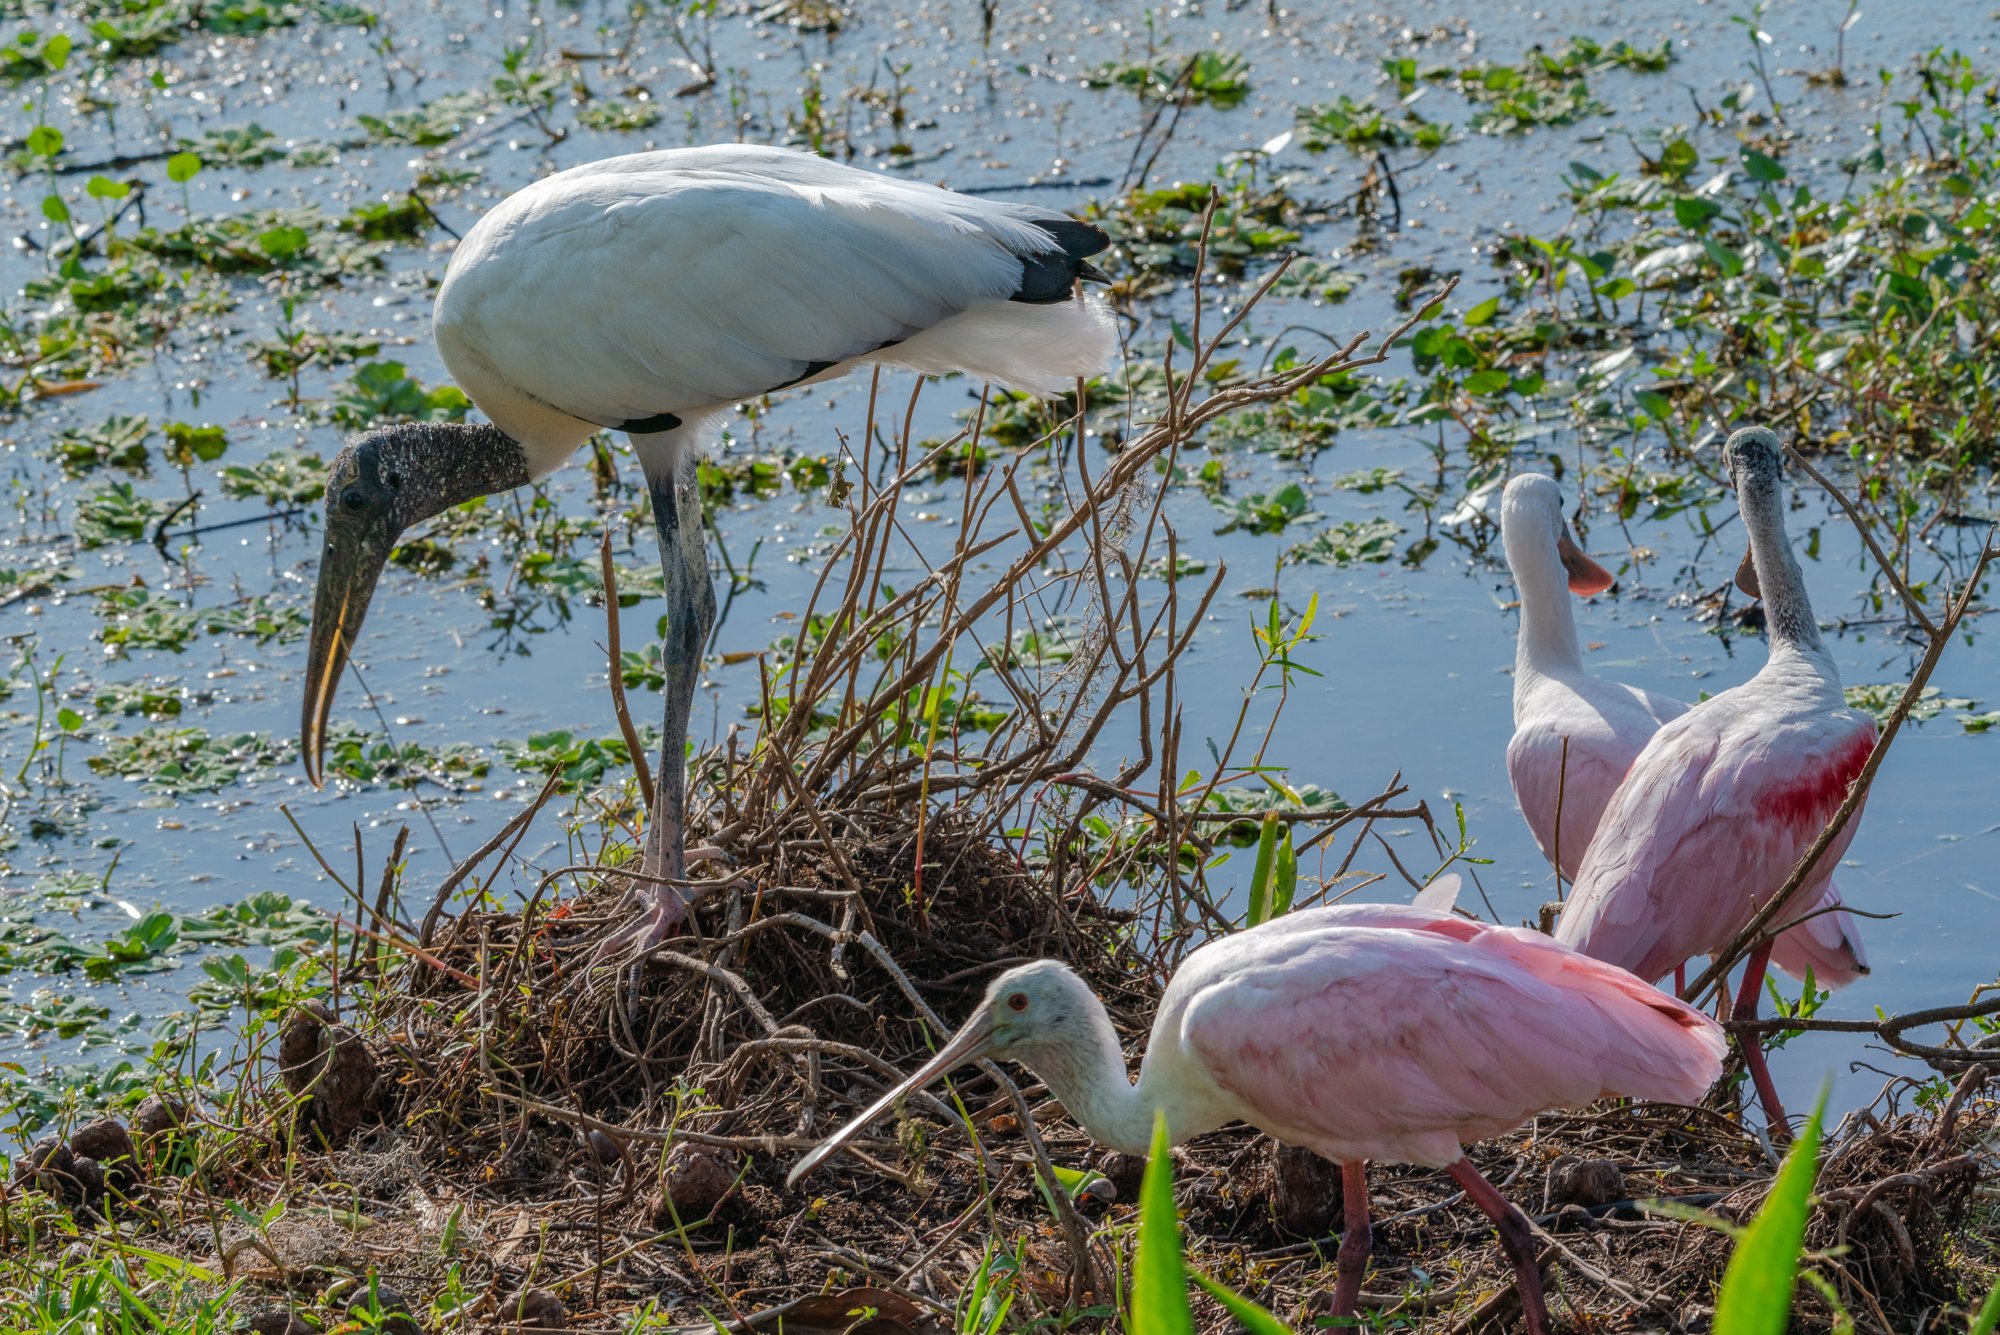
{"type": "Point", "coordinates": [1752, 1046]}
{"type": "Point", "coordinates": [1352, 1258]}
{"type": "Point", "coordinates": [1517, 1238]}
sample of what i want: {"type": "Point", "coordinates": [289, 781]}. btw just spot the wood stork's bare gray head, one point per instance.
{"type": "Point", "coordinates": [376, 489]}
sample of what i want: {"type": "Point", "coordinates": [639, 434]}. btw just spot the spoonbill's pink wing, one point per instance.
{"type": "Point", "coordinates": [1708, 823]}
{"type": "Point", "coordinates": [1402, 1040]}
{"type": "Point", "coordinates": [1827, 943]}
{"type": "Point", "coordinates": [1562, 792]}
{"type": "Point", "coordinates": [1574, 740]}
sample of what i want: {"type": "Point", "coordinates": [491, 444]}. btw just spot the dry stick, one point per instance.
{"type": "Point", "coordinates": [1890, 1031]}
{"type": "Point", "coordinates": [388, 885]}
{"type": "Point", "coordinates": [464, 869]}
{"type": "Point", "coordinates": [1130, 462]}
{"type": "Point", "coordinates": [643, 766]}
{"type": "Point", "coordinates": [1740, 944]}
{"type": "Point", "coordinates": [1865, 529]}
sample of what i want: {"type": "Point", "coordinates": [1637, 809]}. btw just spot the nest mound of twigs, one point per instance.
{"type": "Point", "coordinates": [801, 984]}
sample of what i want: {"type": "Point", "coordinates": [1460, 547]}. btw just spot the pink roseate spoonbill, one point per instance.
{"type": "Point", "coordinates": [1724, 800]}
{"type": "Point", "coordinates": [651, 293]}
{"type": "Point", "coordinates": [1358, 1031]}
{"type": "Point", "coordinates": [1576, 735]}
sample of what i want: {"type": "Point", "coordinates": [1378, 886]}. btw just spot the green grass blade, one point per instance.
{"type": "Point", "coordinates": [1249, 1315]}
{"type": "Point", "coordinates": [1756, 1297]}
{"type": "Point", "coordinates": [1159, 1283]}
{"type": "Point", "coordinates": [1285, 876]}
{"type": "Point", "coordinates": [1260, 875]}
{"type": "Point", "coordinates": [1988, 1319]}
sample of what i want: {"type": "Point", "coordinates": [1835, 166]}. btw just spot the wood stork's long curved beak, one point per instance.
{"type": "Point", "coordinates": [973, 1041]}
{"type": "Point", "coordinates": [1586, 576]}
{"type": "Point", "coordinates": [1746, 574]}
{"type": "Point", "coordinates": [349, 566]}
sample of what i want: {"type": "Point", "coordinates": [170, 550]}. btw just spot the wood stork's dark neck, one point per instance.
{"type": "Point", "coordinates": [436, 465]}
{"type": "Point", "coordinates": [1788, 613]}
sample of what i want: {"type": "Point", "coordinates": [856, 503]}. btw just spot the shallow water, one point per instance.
{"type": "Point", "coordinates": [1416, 660]}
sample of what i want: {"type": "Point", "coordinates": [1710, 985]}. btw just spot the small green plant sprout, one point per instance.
{"type": "Point", "coordinates": [181, 169]}
{"type": "Point", "coordinates": [108, 193]}
{"type": "Point", "coordinates": [1159, 1276]}
{"type": "Point", "coordinates": [983, 1304]}
{"type": "Point", "coordinates": [1756, 1294]}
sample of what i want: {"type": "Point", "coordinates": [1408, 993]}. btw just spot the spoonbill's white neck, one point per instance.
{"type": "Point", "coordinates": [1085, 1069]}
{"type": "Point", "coordinates": [1788, 613]}
{"type": "Point", "coordinates": [1548, 643]}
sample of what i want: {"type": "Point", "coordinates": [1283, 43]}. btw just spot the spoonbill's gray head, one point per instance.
{"type": "Point", "coordinates": [1756, 467]}
{"type": "Point", "coordinates": [1531, 509]}
{"type": "Point", "coordinates": [376, 488]}
{"type": "Point", "coordinates": [1037, 1014]}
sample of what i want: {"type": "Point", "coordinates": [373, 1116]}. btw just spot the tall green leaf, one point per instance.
{"type": "Point", "coordinates": [1159, 1279]}
{"type": "Point", "coordinates": [1159, 1283]}
{"type": "Point", "coordinates": [1248, 1315]}
{"type": "Point", "coordinates": [1988, 1319]}
{"type": "Point", "coordinates": [1756, 1297]}
{"type": "Point", "coordinates": [1284, 875]}
{"type": "Point", "coordinates": [1260, 875]}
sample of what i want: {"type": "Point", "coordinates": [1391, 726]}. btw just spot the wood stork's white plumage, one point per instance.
{"type": "Point", "coordinates": [650, 294]}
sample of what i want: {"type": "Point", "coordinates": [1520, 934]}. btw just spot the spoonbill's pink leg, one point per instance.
{"type": "Point", "coordinates": [1753, 1049]}
{"type": "Point", "coordinates": [1680, 978]}
{"type": "Point", "coordinates": [1517, 1238]}
{"type": "Point", "coordinates": [1352, 1258]}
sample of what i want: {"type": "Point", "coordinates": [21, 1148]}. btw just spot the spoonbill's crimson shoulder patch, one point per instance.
{"type": "Point", "coordinates": [1810, 801]}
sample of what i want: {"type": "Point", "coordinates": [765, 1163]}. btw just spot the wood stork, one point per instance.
{"type": "Point", "coordinates": [1576, 735]}
{"type": "Point", "coordinates": [1725, 799]}
{"type": "Point", "coordinates": [1358, 1031]}
{"type": "Point", "coordinates": [649, 294]}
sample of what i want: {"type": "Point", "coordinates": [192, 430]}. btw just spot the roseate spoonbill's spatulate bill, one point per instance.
{"type": "Point", "coordinates": [1358, 1031]}
{"type": "Point", "coordinates": [1576, 735]}
{"type": "Point", "coordinates": [651, 293]}
{"type": "Point", "coordinates": [1725, 799]}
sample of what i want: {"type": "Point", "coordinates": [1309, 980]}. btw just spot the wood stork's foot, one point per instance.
{"type": "Point", "coordinates": [659, 912]}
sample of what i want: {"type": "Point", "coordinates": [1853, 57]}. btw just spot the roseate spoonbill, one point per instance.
{"type": "Point", "coordinates": [1725, 799]}
{"type": "Point", "coordinates": [1358, 1031]}
{"type": "Point", "coordinates": [649, 294]}
{"type": "Point", "coordinates": [1576, 735]}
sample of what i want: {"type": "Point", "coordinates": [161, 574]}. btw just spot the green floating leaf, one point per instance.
{"type": "Point", "coordinates": [1756, 1296]}
{"type": "Point", "coordinates": [181, 167]}
{"type": "Point", "coordinates": [1763, 168]}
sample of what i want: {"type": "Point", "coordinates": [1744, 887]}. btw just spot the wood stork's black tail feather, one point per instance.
{"type": "Point", "coordinates": [1052, 277]}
